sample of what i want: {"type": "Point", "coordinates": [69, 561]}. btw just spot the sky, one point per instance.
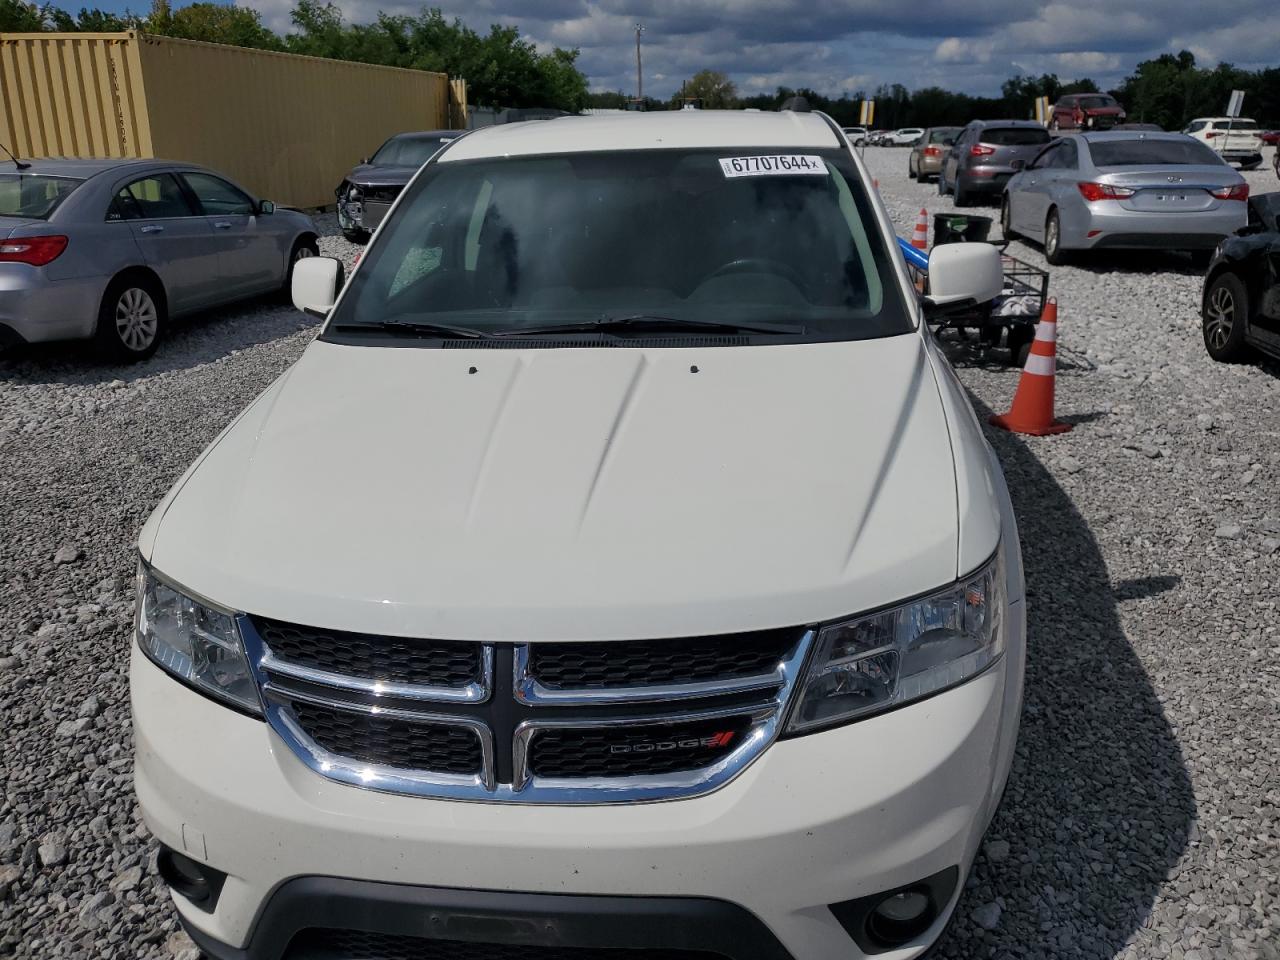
{"type": "Point", "coordinates": [842, 46]}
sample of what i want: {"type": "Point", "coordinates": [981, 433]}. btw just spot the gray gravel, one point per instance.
{"type": "Point", "coordinates": [1141, 818]}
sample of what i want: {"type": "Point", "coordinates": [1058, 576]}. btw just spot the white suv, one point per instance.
{"type": "Point", "coordinates": [1236, 141]}
{"type": "Point", "coordinates": [622, 566]}
{"type": "Point", "coordinates": [904, 137]}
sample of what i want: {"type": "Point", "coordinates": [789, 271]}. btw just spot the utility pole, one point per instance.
{"type": "Point", "coordinates": [639, 75]}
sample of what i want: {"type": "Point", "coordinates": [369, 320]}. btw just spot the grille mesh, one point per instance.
{"type": "Point", "coordinates": [637, 663]}
{"type": "Point", "coordinates": [437, 663]}
{"type": "Point", "coordinates": [358, 945]}
{"type": "Point", "coordinates": [633, 751]}
{"type": "Point", "coordinates": [437, 747]}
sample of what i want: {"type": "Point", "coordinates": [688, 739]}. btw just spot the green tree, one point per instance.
{"type": "Point", "coordinates": [713, 88]}
{"type": "Point", "coordinates": [19, 17]}
{"type": "Point", "coordinates": [215, 23]}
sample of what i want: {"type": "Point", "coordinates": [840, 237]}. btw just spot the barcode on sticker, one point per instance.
{"type": "Point", "coordinates": [784, 165]}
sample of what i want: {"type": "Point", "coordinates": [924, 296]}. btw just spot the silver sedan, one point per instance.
{"type": "Point", "coordinates": [110, 250]}
{"type": "Point", "coordinates": [1124, 190]}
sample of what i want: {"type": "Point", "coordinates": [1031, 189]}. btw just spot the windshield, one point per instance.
{"type": "Point", "coordinates": [1014, 136]}
{"type": "Point", "coordinates": [1235, 124]}
{"type": "Point", "coordinates": [943, 134]}
{"type": "Point", "coordinates": [1141, 153]}
{"type": "Point", "coordinates": [1097, 103]}
{"type": "Point", "coordinates": [33, 195]}
{"type": "Point", "coordinates": [694, 236]}
{"type": "Point", "coordinates": [408, 151]}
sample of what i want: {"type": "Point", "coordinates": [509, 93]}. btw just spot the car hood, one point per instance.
{"type": "Point", "coordinates": [368, 175]}
{"type": "Point", "coordinates": [573, 493]}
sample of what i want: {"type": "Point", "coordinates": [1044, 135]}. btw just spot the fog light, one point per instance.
{"type": "Point", "coordinates": [198, 882]}
{"type": "Point", "coordinates": [901, 916]}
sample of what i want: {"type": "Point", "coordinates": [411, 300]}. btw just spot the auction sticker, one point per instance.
{"type": "Point", "coordinates": [784, 165]}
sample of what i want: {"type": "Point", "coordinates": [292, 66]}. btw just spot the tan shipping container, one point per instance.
{"type": "Point", "coordinates": [287, 127]}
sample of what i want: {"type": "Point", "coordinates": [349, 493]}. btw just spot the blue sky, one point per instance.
{"type": "Point", "coordinates": [847, 45]}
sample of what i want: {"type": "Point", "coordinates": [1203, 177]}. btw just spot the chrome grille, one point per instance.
{"type": "Point", "coordinates": [532, 723]}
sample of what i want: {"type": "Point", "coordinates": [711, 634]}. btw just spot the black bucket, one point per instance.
{"type": "Point", "coordinates": [960, 228]}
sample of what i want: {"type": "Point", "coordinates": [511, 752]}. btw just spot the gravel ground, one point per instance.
{"type": "Point", "coordinates": [1141, 818]}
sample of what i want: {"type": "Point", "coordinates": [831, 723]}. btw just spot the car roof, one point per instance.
{"type": "Point", "coordinates": [1222, 119]}
{"type": "Point", "coordinates": [1102, 136]}
{"type": "Point", "coordinates": [666, 129]}
{"type": "Point", "coordinates": [1009, 123]}
{"type": "Point", "coordinates": [82, 168]}
{"type": "Point", "coordinates": [428, 134]}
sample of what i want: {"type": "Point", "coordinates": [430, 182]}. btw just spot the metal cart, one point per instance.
{"type": "Point", "coordinates": [1010, 318]}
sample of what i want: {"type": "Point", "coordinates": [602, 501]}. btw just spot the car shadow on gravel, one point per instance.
{"type": "Point", "coordinates": [189, 342]}
{"type": "Point", "coordinates": [1099, 806]}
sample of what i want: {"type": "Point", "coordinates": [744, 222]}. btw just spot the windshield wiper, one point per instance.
{"type": "Point", "coordinates": [413, 328]}
{"type": "Point", "coordinates": [642, 321]}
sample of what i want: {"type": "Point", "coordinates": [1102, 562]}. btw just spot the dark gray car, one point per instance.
{"type": "Point", "coordinates": [111, 249]}
{"type": "Point", "coordinates": [981, 161]}
{"type": "Point", "coordinates": [368, 191]}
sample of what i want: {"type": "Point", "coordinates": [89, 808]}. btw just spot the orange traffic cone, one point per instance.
{"type": "Point", "coordinates": [1032, 410]}
{"type": "Point", "coordinates": [920, 235]}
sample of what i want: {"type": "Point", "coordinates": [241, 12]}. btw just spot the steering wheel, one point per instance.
{"type": "Point", "coordinates": [757, 265]}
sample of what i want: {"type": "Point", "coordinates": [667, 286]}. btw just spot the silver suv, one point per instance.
{"type": "Point", "coordinates": [981, 160]}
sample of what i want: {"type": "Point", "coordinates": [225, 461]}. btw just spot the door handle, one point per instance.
{"type": "Point", "coordinates": [223, 225]}
{"type": "Point", "coordinates": [153, 228]}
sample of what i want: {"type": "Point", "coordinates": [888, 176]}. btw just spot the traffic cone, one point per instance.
{"type": "Point", "coordinates": [1032, 410]}
{"type": "Point", "coordinates": [920, 235]}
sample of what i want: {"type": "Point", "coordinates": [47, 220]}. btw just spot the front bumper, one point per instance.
{"type": "Point", "coordinates": [817, 820]}
{"type": "Point", "coordinates": [34, 309]}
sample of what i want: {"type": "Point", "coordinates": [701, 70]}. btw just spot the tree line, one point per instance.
{"type": "Point", "coordinates": [1169, 90]}
{"type": "Point", "coordinates": [502, 68]}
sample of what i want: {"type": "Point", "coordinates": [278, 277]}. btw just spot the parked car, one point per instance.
{"type": "Point", "coordinates": [448, 710]}
{"type": "Point", "coordinates": [927, 152]}
{"type": "Point", "coordinates": [857, 135]}
{"type": "Point", "coordinates": [1124, 190]}
{"type": "Point", "coordinates": [112, 250]}
{"type": "Point", "coordinates": [904, 137]}
{"type": "Point", "coordinates": [1240, 307]}
{"type": "Point", "coordinates": [876, 138]}
{"type": "Point", "coordinates": [981, 161]}
{"type": "Point", "coordinates": [367, 192]}
{"type": "Point", "coordinates": [1270, 138]}
{"type": "Point", "coordinates": [1235, 140]}
{"type": "Point", "coordinates": [1085, 111]}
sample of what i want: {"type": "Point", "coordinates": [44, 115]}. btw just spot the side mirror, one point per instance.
{"type": "Point", "coordinates": [316, 282]}
{"type": "Point", "coordinates": [266, 206]}
{"type": "Point", "coordinates": [962, 275]}
{"type": "Point", "coordinates": [1018, 164]}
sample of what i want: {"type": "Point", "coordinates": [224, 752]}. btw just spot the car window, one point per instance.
{"type": "Point", "coordinates": [1045, 158]}
{"type": "Point", "coordinates": [1015, 136]}
{"type": "Point", "coordinates": [217, 197]}
{"type": "Point", "coordinates": [1097, 102]}
{"type": "Point", "coordinates": [1067, 158]}
{"type": "Point", "coordinates": [33, 195]}
{"type": "Point", "coordinates": [507, 243]}
{"type": "Point", "coordinates": [150, 198]}
{"type": "Point", "coordinates": [1143, 152]}
{"type": "Point", "coordinates": [408, 151]}
{"type": "Point", "coordinates": [942, 134]}
{"type": "Point", "coordinates": [1235, 124]}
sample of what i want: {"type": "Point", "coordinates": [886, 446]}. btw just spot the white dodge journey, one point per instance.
{"type": "Point", "coordinates": [621, 573]}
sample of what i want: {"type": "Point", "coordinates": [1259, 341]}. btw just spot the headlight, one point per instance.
{"type": "Point", "coordinates": [196, 643]}
{"type": "Point", "coordinates": [885, 659]}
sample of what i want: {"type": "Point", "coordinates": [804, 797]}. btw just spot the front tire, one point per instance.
{"type": "Point", "coordinates": [911, 170]}
{"type": "Point", "coordinates": [302, 250]}
{"type": "Point", "coordinates": [1224, 318]}
{"type": "Point", "coordinates": [942, 184]}
{"type": "Point", "coordinates": [1053, 252]}
{"type": "Point", "coordinates": [130, 320]}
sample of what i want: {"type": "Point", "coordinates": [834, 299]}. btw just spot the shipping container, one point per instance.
{"type": "Point", "coordinates": [288, 127]}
